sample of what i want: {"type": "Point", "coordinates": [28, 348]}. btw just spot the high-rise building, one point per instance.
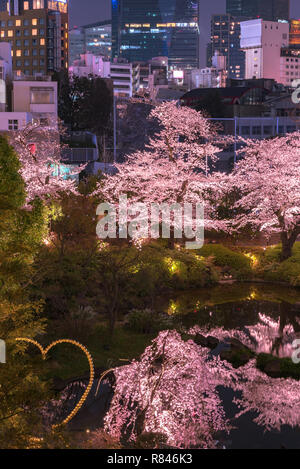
{"type": "Point", "coordinates": [92, 38]}
{"type": "Point", "coordinates": [38, 33]}
{"type": "Point", "coordinates": [270, 10]}
{"type": "Point", "coordinates": [76, 44]}
{"type": "Point", "coordinates": [156, 28]}
{"type": "Point", "coordinates": [225, 40]}
{"type": "Point", "coordinates": [98, 38]}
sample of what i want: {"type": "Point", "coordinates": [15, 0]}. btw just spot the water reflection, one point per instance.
{"type": "Point", "coordinates": [268, 316]}
{"type": "Point", "coordinates": [265, 318]}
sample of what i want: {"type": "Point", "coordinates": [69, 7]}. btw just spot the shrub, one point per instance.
{"type": "Point", "coordinates": [161, 268]}
{"type": "Point", "coordinates": [287, 271]}
{"type": "Point", "coordinates": [234, 263]}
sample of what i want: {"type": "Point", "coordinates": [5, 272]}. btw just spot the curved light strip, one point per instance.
{"type": "Point", "coordinates": [44, 353]}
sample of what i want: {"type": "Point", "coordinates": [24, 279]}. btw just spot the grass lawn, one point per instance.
{"type": "Point", "coordinates": [65, 361]}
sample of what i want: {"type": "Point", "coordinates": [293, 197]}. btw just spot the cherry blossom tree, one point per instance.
{"type": "Point", "coordinates": [171, 390]}
{"type": "Point", "coordinates": [175, 165]}
{"type": "Point", "coordinates": [268, 179]}
{"type": "Point", "coordinates": [40, 154]}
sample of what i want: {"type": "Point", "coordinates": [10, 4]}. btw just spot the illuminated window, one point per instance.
{"type": "Point", "coordinates": [2, 33]}
{"type": "Point", "coordinates": [34, 32]}
{"type": "Point", "coordinates": [41, 95]}
{"type": "Point", "coordinates": [34, 21]}
{"type": "Point", "coordinates": [26, 6]}
{"type": "Point", "coordinates": [18, 22]}
{"type": "Point", "coordinates": [10, 33]}
{"type": "Point", "coordinates": [38, 4]}
{"type": "Point", "coordinates": [19, 53]}
{"type": "Point", "coordinates": [42, 42]}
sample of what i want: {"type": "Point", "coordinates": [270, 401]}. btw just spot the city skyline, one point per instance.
{"type": "Point", "coordinates": [98, 10]}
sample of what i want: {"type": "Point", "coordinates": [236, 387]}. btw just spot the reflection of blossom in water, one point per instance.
{"type": "Point", "coordinates": [267, 337]}
{"type": "Point", "coordinates": [57, 409]}
{"type": "Point", "coordinates": [172, 390]}
{"type": "Point", "coordinates": [221, 334]}
{"type": "Point", "coordinates": [277, 401]}
{"type": "Point", "coordinates": [263, 337]}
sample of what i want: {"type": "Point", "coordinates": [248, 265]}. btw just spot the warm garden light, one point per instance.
{"type": "Point", "coordinates": [149, 227]}
{"type": "Point", "coordinates": [44, 352]}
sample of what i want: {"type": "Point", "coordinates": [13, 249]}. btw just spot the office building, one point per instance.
{"type": "Point", "coordinates": [90, 64]}
{"type": "Point", "coordinates": [38, 33]}
{"type": "Point", "coordinates": [289, 66]}
{"type": "Point", "coordinates": [125, 77]}
{"type": "Point", "coordinates": [225, 40]}
{"type": "Point", "coordinates": [156, 28]}
{"type": "Point", "coordinates": [98, 38]}
{"type": "Point", "coordinates": [24, 100]}
{"type": "Point", "coordinates": [262, 42]}
{"type": "Point", "coordinates": [270, 10]}
{"type": "Point", "coordinates": [76, 44]}
{"type": "Point", "coordinates": [92, 38]}
{"type": "Point", "coordinates": [295, 34]}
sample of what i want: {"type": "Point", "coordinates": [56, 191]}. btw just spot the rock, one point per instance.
{"type": "Point", "coordinates": [212, 342]}
{"type": "Point", "coordinates": [236, 358]}
{"type": "Point", "coordinates": [237, 354]}
{"type": "Point", "coordinates": [208, 342]}
{"type": "Point", "coordinates": [237, 345]}
{"type": "Point", "coordinates": [200, 339]}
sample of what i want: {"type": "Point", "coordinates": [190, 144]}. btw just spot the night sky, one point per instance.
{"type": "Point", "coordinates": [90, 11]}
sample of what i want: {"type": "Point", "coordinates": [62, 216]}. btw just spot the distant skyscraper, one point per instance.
{"type": "Point", "coordinates": [225, 39]}
{"type": "Point", "coordinates": [143, 29]}
{"type": "Point", "coordinates": [94, 38]}
{"type": "Point", "coordinates": [270, 10]}
{"type": "Point", "coordinates": [38, 33]}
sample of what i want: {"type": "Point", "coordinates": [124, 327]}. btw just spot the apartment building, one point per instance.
{"type": "Point", "coordinates": [24, 99]}
{"type": "Point", "coordinates": [38, 33]}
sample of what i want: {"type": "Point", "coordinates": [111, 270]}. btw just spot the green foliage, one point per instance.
{"type": "Point", "coordinates": [66, 281]}
{"type": "Point", "coordinates": [287, 271]}
{"type": "Point", "coordinates": [189, 270]}
{"type": "Point", "coordinates": [278, 367]}
{"type": "Point", "coordinates": [125, 345]}
{"type": "Point", "coordinates": [21, 232]}
{"type": "Point", "coordinates": [233, 263]}
{"type": "Point", "coordinates": [147, 321]}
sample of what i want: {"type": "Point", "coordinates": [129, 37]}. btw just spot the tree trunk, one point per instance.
{"type": "Point", "coordinates": [171, 240]}
{"type": "Point", "coordinates": [288, 243]}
